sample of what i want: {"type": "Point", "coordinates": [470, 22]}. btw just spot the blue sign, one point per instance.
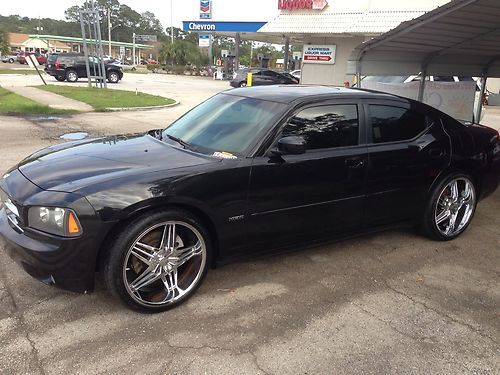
{"type": "Point", "coordinates": [205, 9]}
{"type": "Point", "coordinates": [207, 26]}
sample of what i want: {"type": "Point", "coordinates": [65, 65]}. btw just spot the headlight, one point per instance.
{"type": "Point", "coordinates": [55, 220]}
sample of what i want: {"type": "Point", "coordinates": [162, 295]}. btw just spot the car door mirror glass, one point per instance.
{"type": "Point", "coordinates": [294, 145]}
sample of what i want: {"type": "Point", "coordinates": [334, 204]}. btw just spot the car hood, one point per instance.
{"type": "Point", "coordinates": [71, 166]}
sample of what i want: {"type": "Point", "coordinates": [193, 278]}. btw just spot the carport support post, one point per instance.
{"type": "Point", "coordinates": [421, 88]}
{"type": "Point", "coordinates": [237, 41]}
{"type": "Point", "coordinates": [477, 115]}
{"type": "Point", "coordinates": [287, 53]}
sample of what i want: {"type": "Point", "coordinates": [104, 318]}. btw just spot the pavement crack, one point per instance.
{"type": "Point", "coordinates": [402, 333]}
{"type": "Point", "coordinates": [441, 313]}
{"type": "Point", "coordinates": [20, 317]}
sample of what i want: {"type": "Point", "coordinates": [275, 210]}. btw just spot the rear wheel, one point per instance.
{"type": "Point", "coordinates": [450, 208]}
{"type": "Point", "coordinates": [60, 78]}
{"type": "Point", "coordinates": [243, 84]}
{"type": "Point", "coordinates": [71, 76]}
{"type": "Point", "coordinates": [158, 261]}
{"type": "Point", "coordinates": [11, 60]}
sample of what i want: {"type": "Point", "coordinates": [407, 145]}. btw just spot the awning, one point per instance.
{"type": "Point", "coordinates": [70, 39]}
{"type": "Point", "coordinates": [461, 38]}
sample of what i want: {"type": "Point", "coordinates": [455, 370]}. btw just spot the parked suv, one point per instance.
{"type": "Point", "coordinates": [71, 66]}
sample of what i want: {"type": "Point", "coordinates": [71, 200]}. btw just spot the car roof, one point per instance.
{"type": "Point", "coordinates": [291, 93]}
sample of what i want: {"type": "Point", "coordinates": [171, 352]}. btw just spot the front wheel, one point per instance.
{"type": "Point", "coordinates": [113, 77]}
{"type": "Point", "coordinates": [243, 84]}
{"type": "Point", "coordinates": [450, 208]}
{"type": "Point", "coordinates": [158, 261]}
{"type": "Point", "coordinates": [11, 61]}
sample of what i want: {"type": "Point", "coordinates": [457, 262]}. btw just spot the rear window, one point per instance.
{"type": "Point", "coordinates": [52, 58]}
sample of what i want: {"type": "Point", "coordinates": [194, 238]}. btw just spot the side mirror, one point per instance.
{"type": "Point", "coordinates": [294, 145]}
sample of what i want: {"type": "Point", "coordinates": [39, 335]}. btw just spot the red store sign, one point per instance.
{"type": "Point", "coordinates": [302, 4]}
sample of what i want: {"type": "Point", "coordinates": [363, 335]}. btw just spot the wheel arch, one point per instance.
{"type": "Point", "coordinates": [151, 206]}
{"type": "Point", "coordinates": [460, 167]}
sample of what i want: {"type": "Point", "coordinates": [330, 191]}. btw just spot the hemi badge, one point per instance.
{"type": "Point", "coordinates": [236, 218]}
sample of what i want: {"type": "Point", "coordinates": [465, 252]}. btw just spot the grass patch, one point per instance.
{"type": "Point", "coordinates": [19, 71]}
{"type": "Point", "coordinates": [102, 99]}
{"type": "Point", "coordinates": [14, 104]}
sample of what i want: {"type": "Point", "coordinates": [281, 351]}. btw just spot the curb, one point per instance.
{"type": "Point", "coordinates": [126, 109]}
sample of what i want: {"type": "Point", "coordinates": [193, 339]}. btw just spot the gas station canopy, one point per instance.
{"type": "Point", "coordinates": [461, 38]}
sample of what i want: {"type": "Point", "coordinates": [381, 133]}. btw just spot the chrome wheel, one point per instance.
{"type": "Point", "coordinates": [455, 206]}
{"type": "Point", "coordinates": [113, 77]}
{"type": "Point", "coordinates": [72, 76]}
{"type": "Point", "coordinates": [164, 263]}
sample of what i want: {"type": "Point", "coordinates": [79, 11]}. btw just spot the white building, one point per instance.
{"type": "Point", "coordinates": [343, 24]}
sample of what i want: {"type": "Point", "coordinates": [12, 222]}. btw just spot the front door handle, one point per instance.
{"type": "Point", "coordinates": [355, 162]}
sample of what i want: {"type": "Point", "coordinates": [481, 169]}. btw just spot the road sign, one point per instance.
{"type": "Point", "coordinates": [319, 54]}
{"type": "Point", "coordinates": [146, 38]}
{"type": "Point", "coordinates": [204, 40]}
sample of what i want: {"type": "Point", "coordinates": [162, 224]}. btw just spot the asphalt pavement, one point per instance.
{"type": "Point", "coordinates": [388, 303]}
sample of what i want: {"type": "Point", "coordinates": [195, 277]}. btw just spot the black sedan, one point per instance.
{"type": "Point", "coordinates": [262, 77]}
{"type": "Point", "coordinates": [247, 172]}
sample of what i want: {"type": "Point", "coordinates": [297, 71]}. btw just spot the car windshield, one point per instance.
{"type": "Point", "coordinates": [225, 124]}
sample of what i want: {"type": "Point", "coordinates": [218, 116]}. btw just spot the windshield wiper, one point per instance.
{"type": "Point", "coordinates": [180, 141]}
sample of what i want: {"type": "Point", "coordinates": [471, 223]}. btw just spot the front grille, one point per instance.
{"type": "Point", "coordinates": [11, 211]}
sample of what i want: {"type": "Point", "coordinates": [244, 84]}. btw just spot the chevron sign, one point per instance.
{"type": "Point", "coordinates": [205, 9]}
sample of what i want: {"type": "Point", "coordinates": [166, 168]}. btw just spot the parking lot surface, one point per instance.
{"type": "Point", "coordinates": [387, 303]}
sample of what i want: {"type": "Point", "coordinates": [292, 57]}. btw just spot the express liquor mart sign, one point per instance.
{"type": "Point", "coordinates": [319, 54]}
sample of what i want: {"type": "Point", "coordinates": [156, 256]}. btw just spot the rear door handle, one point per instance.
{"type": "Point", "coordinates": [355, 162]}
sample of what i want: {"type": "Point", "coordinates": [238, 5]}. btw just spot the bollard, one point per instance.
{"type": "Point", "coordinates": [249, 79]}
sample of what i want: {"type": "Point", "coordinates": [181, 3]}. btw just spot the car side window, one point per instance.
{"type": "Point", "coordinates": [325, 126]}
{"type": "Point", "coordinates": [80, 59]}
{"type": "Point", "coordinates": [393, 124]}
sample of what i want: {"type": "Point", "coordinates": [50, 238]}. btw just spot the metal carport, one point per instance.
{"type": "Point", "coordinates": [461, 38]}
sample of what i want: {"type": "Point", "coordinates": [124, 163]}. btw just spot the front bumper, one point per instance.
{"type": "Point", "coordinates": [50, 260]}
{"type": "Point", "coordinates": [68, 263]}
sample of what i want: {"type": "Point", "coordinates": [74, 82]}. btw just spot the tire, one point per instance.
{"type": "Point", "coordinates": [11, 61]}
{"type": "Point", "coordinates": [113, 77]}
{"type": "Point", "coordinates": [60, 78]}
{"type": "Point", "coordinates": [451, 207]}
{"type": "Point", "coordinates": [136, 257]}
{"type": "Point", "coordinates": [243, 84]}
{"type": "Point", "coordinates": [71, 75]}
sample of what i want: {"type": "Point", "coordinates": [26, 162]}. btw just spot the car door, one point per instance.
{"type": "Point", "coordinates": [299, 198]}
{"type": "Point", "coordinates": [407, 149]}
{"type": "Point", "coordinates": [80, 66]}
{"type": "Point", "coordinates": [269, 77]}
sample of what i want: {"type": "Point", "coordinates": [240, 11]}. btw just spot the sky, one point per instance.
{"type": "Point", "coordinates": [183, 10]}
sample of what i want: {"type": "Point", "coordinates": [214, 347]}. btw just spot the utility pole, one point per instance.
{"type": "Point", "coordinates": [172, 21]}
{"type": "Point", "coordinates": [133, 49]}
{"type": "Point", "coordinates": [109, 32]}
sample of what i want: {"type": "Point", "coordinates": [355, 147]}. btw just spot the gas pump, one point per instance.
{"type": "Point", "coordinates": [228, 64]}
{"type": "Point", "coordinates": [263, 60]}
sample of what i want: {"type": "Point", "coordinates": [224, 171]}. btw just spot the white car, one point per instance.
{"type": "Point", "coordinates": [124, 65]}
{"type": "Point", "coordinates": [296, 73]}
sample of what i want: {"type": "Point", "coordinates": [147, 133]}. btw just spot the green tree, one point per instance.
{"type": "Point", "coordinates": [4, 43]}
{"type": "Point", "coordinates": [181, 52]}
